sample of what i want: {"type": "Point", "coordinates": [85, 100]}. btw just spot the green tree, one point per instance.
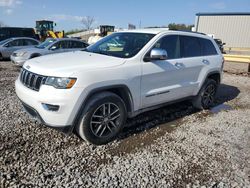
{"type": "Point", "coordinates": [184, 27]}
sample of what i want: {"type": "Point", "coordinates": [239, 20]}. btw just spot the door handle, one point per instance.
{"type": "Point", "coordinates": [205, 61]}
{"type": "Point", "coordinates": [179, 65]}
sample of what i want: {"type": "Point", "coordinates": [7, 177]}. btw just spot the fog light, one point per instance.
{"type": "Point", "coordinates": [50, 107]}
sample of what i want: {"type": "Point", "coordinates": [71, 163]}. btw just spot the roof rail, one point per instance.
{"type": "Point", "coordinates": [187, 31]}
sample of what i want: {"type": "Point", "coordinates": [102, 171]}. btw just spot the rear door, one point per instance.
{"type": "Point", "coordinates": [193, 62]}
{"type": "Point", "coordinates": [210, 54]}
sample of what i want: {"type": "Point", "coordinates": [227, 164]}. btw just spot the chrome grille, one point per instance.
{"type": "Point", "coordinates": [31, 80]}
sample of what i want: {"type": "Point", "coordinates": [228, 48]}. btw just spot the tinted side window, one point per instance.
{"type": "Point", "coordinates": [16, 43]}
{"type": "Point", "coordinates": [28, 42]}
{"type": "Point", "coordinates": [81, 45]}
{"type": "Point", "coordinates": [190, 46]}
{"type": "Point", "coordinates": [84, 45]}
{"type": "Point", "coordinates": [73, 44]}
{"type": "Point", "coordinates": [60, 45]}
{"type": "Point", "coordinates": [171, 44]}
{"type": "Point", "coordinates": [77, 44]}
{"type": "Point", "coordinates": [207, 47]}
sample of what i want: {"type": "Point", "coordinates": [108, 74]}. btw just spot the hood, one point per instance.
{"type": "Point", "coordinates": [65, 64]}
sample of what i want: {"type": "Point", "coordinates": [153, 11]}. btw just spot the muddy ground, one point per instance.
{"type": "Point", "coordinates": [175, 146]}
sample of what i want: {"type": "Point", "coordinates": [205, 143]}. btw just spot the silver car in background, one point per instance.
{"type": "Point", "coordinates": [49, 46]}
{"type": "Point", "coordinates": [8, 46]}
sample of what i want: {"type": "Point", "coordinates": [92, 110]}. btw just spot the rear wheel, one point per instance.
{"type": "Point", "coordinates": [206, 97]}
{"type": "Point", "coordinates": [103, 118]}
{"type": "Point", "coordinates": [1, 57]}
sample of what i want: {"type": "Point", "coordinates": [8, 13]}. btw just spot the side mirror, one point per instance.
{"type": "Point", "coordinates": [158, 54]}
{"type": "Point", "coordinates": [53, 48]}
{"type": "Point", "coordinates": [223, 43]}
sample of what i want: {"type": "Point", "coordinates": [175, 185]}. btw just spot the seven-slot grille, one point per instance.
{"type": "Point", "coordinates": [31, 80]}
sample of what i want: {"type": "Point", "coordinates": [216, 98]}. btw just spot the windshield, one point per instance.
{"type": "Point", "coordinates": [4, 41]}
{"type": "Point", "coordinates": [123, 45]}
{"type": "Point", "coordinates": [46, 43]}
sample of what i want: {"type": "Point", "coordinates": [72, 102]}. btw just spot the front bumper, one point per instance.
{"type": "Point", "coordinates": [19, 61]}
{"type": "Point", "coordinates": [68, 101]}
{"type": "Point", "coordinates": [35, 115]}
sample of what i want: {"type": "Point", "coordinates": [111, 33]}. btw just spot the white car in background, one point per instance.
{"type": "Point", "coordinates": [94, 91]}
{"type": "Point", "coordinates": [50, 46]}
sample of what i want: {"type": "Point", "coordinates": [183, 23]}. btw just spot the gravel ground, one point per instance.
{"type": "Point", "coordinates": [174, 146]}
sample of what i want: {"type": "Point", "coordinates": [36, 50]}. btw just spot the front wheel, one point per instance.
{"type": "Point", "coordinates": [102, 119]}
{"type": "Point", "coordinates": [206, 96]}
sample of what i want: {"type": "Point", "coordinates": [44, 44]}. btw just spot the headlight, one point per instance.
{"type": "Point", "coordinates": [21, 53]}
{"type": "Point", "coordinates": [60, 83]}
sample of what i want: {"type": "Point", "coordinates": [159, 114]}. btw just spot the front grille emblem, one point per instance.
{"type": "Point", "coordinates": [27, 67]}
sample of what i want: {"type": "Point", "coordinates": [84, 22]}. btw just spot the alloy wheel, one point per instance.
{"type": "Point", "coordinates": [209, 95]}
{"type": "Point", "coordinates": [105, 120]}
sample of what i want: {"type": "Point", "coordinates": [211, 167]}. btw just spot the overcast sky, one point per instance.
{"type": "Point", "coordinates": [68, 14]}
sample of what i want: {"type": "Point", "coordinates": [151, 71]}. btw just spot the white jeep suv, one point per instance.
{"type": "Point", "coordinates": [126, 73]}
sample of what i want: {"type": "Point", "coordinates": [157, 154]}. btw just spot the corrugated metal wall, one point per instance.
{"type": "Point", "coordinates": [232, 29]}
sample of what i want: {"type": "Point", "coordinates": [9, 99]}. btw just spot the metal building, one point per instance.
{"type": "Point", "coordinates": [231, 28]}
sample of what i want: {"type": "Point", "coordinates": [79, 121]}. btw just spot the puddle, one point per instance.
{"type": "Point", "coordinates": [221, 107]}
{"type": "Point", "coordinates": [145, 138]}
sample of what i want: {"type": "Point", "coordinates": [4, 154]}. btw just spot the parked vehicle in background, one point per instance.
{"type": "Point", "coordinates": [10, 32]}
{"type": "Point", "coordinates": [45, 29]}
{"type": "Point", "coordinates": [221, 45]}
{"type": "Point", "coordinates": [8, 46]}
{"type": "Point", "coordinates": [93, 91]}
{"type": "Point", "coordinates": [50, 46]}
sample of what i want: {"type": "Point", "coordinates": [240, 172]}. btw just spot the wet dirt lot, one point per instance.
{"type": "Point", "coordinates": [175, 146]}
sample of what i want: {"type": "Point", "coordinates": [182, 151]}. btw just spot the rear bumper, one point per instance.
{"type": "Point", "coordinates": [67, 129]}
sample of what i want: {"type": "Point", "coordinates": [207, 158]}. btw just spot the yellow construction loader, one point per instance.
{"type": "Point", "coordinates": [45, 29]}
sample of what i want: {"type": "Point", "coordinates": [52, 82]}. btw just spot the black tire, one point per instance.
{"type": "Point", "coordinates": [1, 57]}
{"type": "Point", "coordinates": [91, 126]}
{"type": "Point", "coordinates": [206, 96]}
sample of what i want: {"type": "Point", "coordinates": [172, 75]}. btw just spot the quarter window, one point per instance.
{"type": "Point", "coordinates": [207, 47]}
